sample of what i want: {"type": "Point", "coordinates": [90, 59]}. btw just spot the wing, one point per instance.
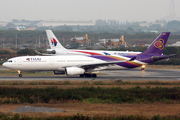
{"type": "Point", "coordinates": [95, 65]}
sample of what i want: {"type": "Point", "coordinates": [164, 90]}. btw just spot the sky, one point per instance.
{"type": "Point", "coordinates": [83, 10]}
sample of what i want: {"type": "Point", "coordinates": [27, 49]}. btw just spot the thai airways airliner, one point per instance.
{"type": "Point", "coordinates": [85, 65]}
{"type": "Point", "coordinates": [58, 49]}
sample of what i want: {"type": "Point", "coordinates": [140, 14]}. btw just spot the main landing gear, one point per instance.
{"type": "Point", "coordinates": [88, 75]}
{"type": "Point", "coordinates": [19, 72]}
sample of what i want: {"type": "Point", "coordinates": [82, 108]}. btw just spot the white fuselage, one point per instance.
{"type": "Point", "coordinates": [58, 49]}
{"type": "Point", "coordinates": [92, 52]}
{"type": "Point", "coordinates": [59, 63]}
{"type": "Point", "coordinates": [47, 63]}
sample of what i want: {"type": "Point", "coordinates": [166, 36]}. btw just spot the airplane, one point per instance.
{"type": "Point", "coordinates": [58, 49]}
{"type": "Point", "coordinates": [86, 65]}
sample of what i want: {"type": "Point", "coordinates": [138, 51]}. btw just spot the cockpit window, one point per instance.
{"type": "Point", "coordinates": [9, 61]}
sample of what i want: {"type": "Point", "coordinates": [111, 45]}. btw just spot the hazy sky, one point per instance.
{"type": "Point", "coordinates": [122, 10]}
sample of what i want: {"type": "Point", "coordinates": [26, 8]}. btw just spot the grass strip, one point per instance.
{"type": "Point", "coordinates": [89, 94]}
{"type": "Point", "coordinates": [95, 117]}
{"type": "Point", "coordinates": [90, 82]}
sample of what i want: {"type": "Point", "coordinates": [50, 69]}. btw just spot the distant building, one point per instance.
{"type": "Point", "coordinates": [21, 27]}
{"type": "Point", "coordinates": [144, 24]}
{"type": "Point", "coordinates": [31, 28]}
{"type": "Point", "coordinates": [81, 40]}
{"type": "Point", "coordinates": [177, 44]}
{"type": "Point", "coordinates": [150, 31]}
{"type": "Point", "coordinates": [161, 24]}
{"type": "Point", "coordinates": [150, 24]}
{"type": "Point", "coordinates": [21, 23]}
{"type": "Point", "coordinates": [140, 43]}
{"type": "Point", "coordinates": [117, 42]}
{"type": "Point", "coordinates": [103, 41]}
{"type": "Point", "coordinates": [24, 28]}
{"type": "Point", "coordinates": [154, 31]}
{"type": "Point", "coordinates": [3, 23]}
{"type": "Point", "coordinates": [67, 23]}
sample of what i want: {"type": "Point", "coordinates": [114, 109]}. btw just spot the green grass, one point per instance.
{"type": "Point", "coordinates": [95, 117]}
{"type": "Point", "coordinates": [147, 84]}
{"type": "Point", "coordinates": [96, 100]}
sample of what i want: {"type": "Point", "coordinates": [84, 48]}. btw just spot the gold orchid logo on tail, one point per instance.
{"type": "Point", "coordinates": [159, 44]}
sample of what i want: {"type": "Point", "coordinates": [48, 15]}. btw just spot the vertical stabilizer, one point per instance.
{"type": "Point", "coordinates": [158, 45]}
{"type": "Point", "coordinates": [53, 41]}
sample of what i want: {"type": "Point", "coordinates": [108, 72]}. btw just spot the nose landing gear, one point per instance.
{"type": "Point", "coordinates": [19, 72]}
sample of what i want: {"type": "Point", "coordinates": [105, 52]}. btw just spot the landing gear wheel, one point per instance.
{"type": "Point", "coordinates": [81, 75]}
{"type": "Point", "coordinates": [19, 72]}
{"type": "Point", "coordinates": [94, 75]}
{"type": "Point", "coordinates": [87, 75]}
{"type": "Point", "coordinates": [142, 68]}
{"type": "Point", "coordinates": [20, 75]}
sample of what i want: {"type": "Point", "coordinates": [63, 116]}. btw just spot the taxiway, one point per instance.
{"type": "Point", "coordinates": [131, 75]}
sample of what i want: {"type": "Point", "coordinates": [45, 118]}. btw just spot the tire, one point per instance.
{"type": "Point", "coordinates": [142, 68]}
{"type": "Point", "coordinates": [81, 75]}
{"type": "Point", "coordinates": [20, 75]}
{"type": "Point", "coordinates": [87, 75]}
{"type": "Point", "coordinates": [94, 75]}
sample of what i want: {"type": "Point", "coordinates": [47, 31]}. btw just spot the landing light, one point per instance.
{"type": "Point", "coordinates": [143, 66]}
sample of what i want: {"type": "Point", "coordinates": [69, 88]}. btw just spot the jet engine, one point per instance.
{"type": "Point", "coordinates": [51, 51]}
{"type": "Point", "coordinates": [74, 71]}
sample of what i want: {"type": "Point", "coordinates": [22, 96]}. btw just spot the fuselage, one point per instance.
{"type": "Point", "coordinates": [57, 49]}
{"type": "Point", "coordinates": [52, 63]}
{"type": "Point", "coordinates": [92, 52]}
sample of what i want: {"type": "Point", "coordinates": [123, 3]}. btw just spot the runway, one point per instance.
{"type": "Point", "coordinates": [129, 75]}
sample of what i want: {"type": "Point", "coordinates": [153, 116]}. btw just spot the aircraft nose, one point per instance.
{"type": "Point", "coordinates": [4, 64]}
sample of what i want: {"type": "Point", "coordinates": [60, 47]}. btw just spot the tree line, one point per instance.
{"type": "Point", "coordinates": [9, 38]}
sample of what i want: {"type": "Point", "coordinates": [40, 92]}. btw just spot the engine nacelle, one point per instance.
{"type": "Point", "coordinates": [51, 51]}
{"type": "Point", "coordinates": [74, 71]}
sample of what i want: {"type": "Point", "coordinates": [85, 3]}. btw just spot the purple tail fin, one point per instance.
{"type": "Point", "coordinates": [158, 44]}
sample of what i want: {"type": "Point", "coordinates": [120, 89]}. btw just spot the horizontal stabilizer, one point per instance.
{"type": "Point", "coordinates": [171, 55]}
{"type": "Point", "coordinates": [156, 58]}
